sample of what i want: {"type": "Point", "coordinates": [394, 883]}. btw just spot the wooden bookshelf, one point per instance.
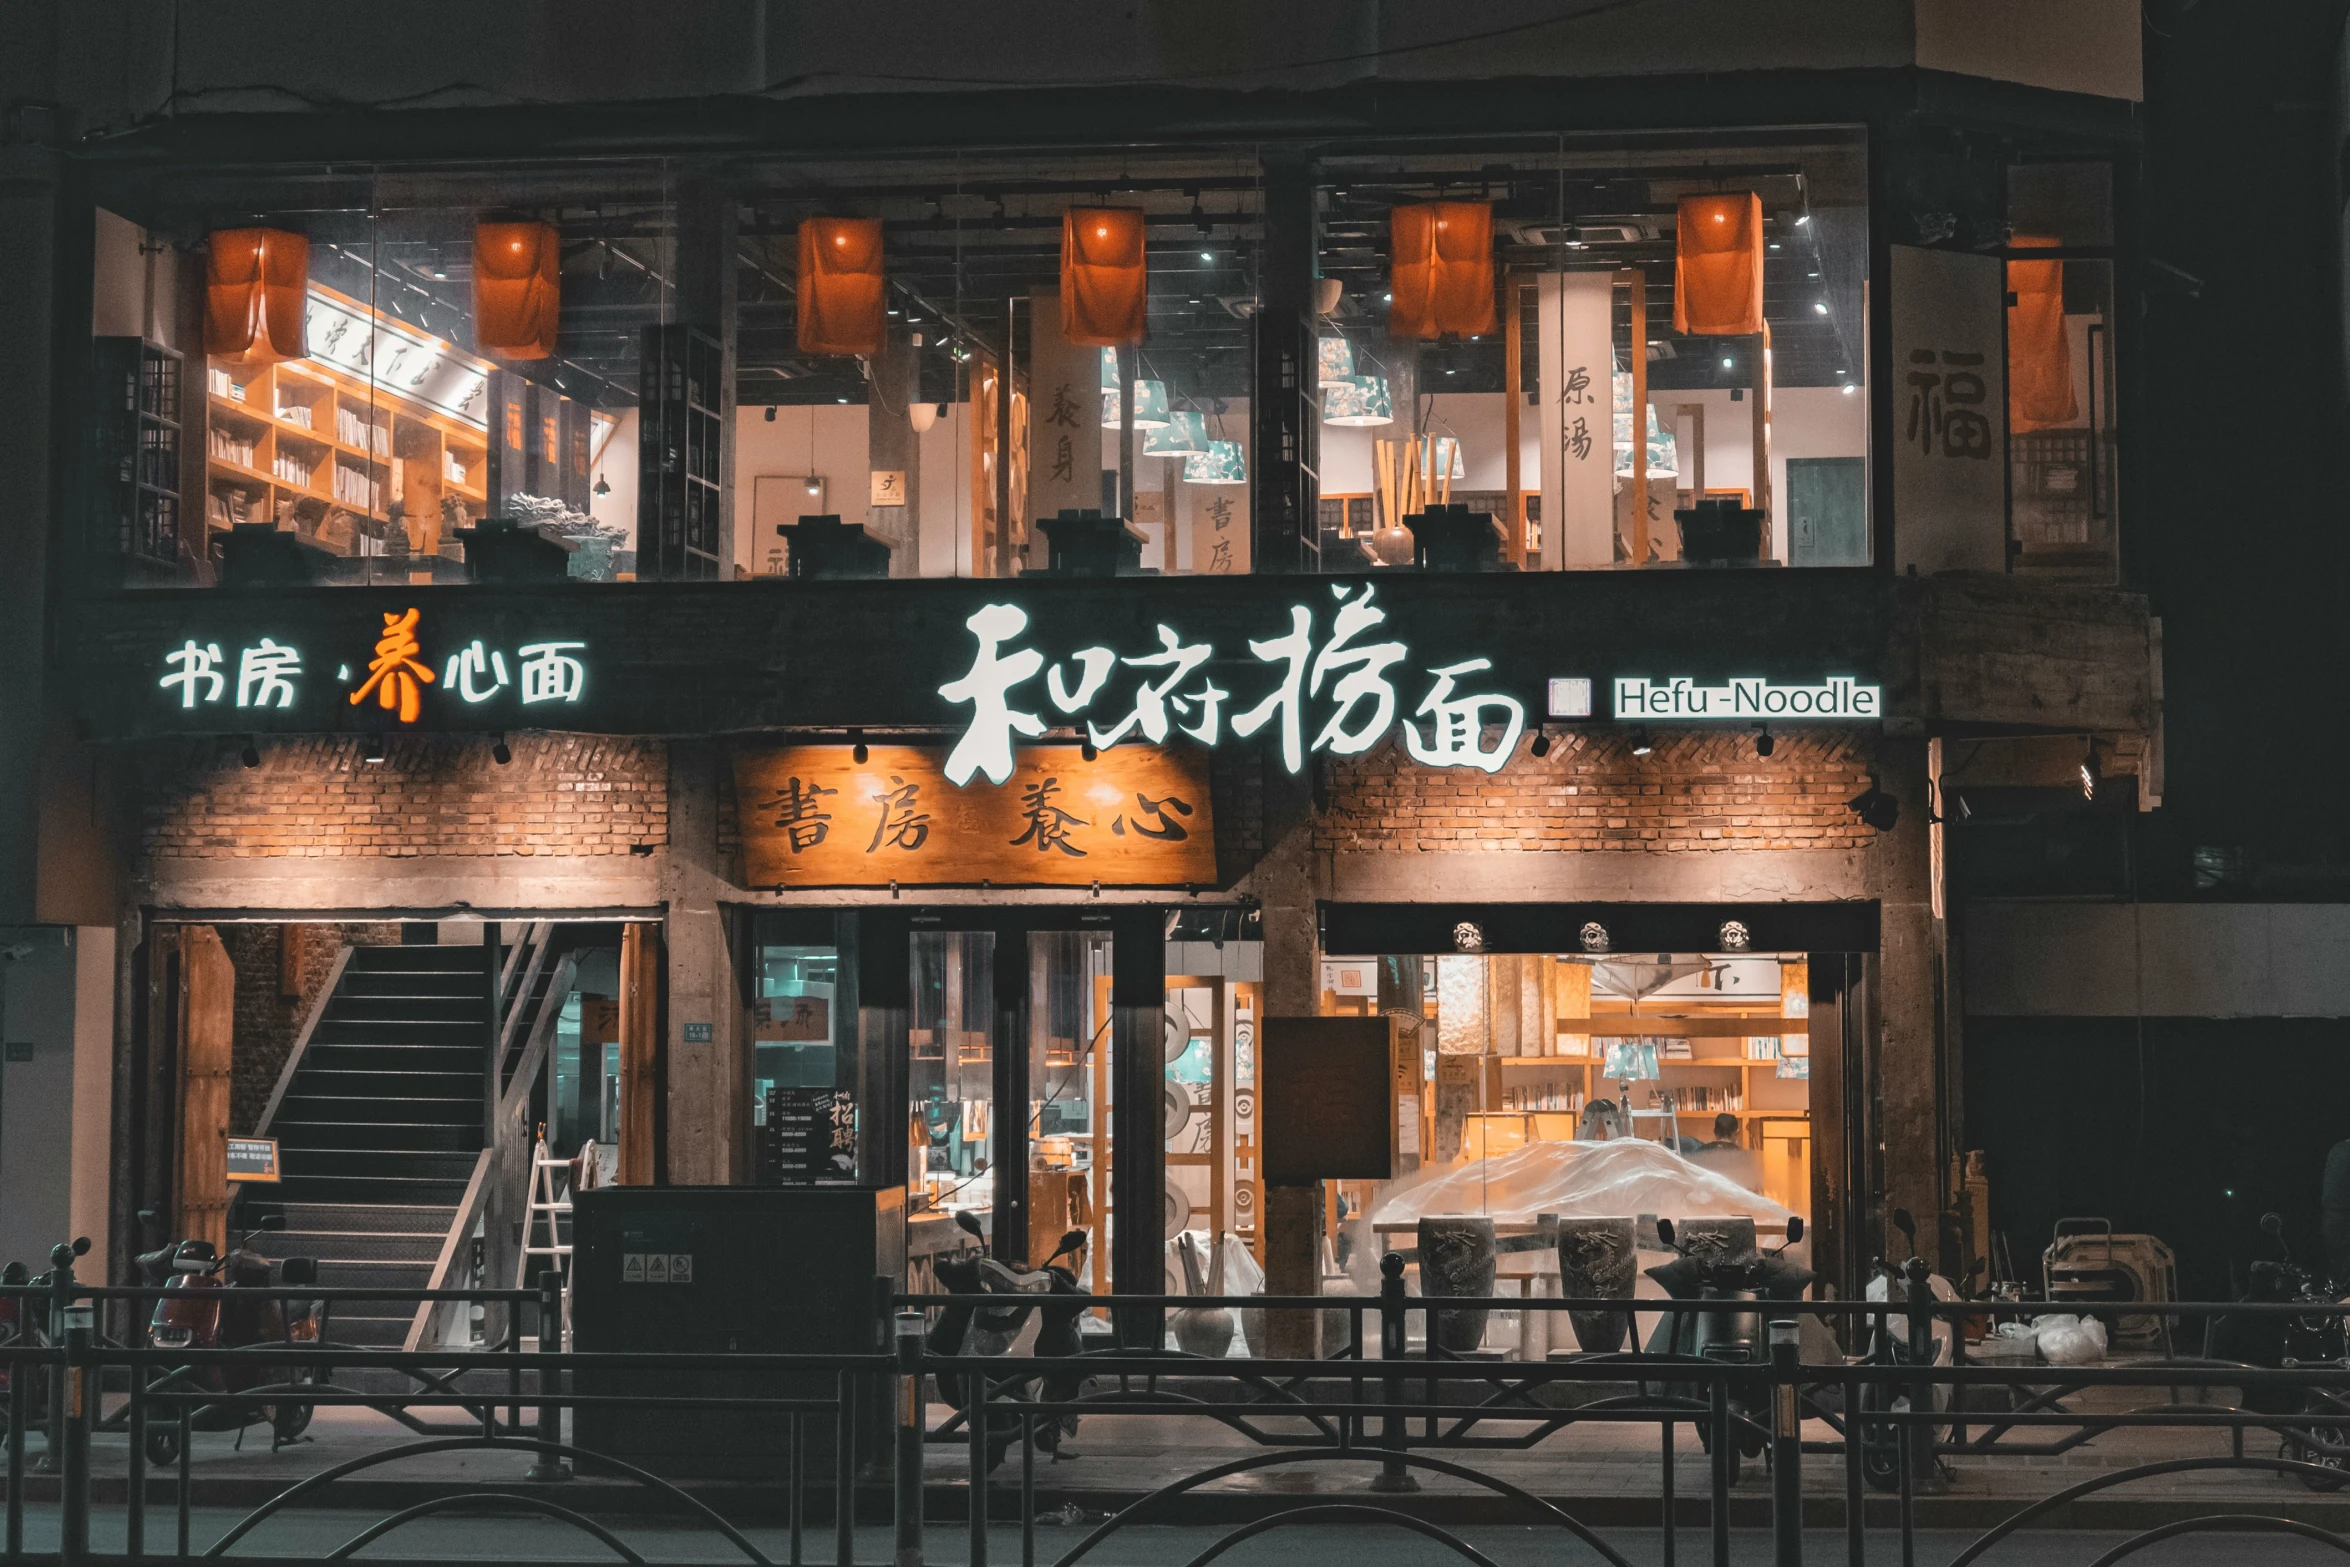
{"type": "Point", "coordinates": [325, 453]}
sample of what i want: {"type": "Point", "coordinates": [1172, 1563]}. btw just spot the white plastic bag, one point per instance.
{"type": "Point", "coordinates": [2070, 1341]}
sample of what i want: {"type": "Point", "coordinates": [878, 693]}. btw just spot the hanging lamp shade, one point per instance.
{"type": "Point", "coordinates": [1443, 272]}
{"type": "Point", "coordinates": [517, 288]}
{"type": "Point", "coordinates": [1105, 276]}
{"type": "Point", "coordinates": [2039, 353]}
{"type": "Point", "coordinates": [1337, 357]}
{"type": "Point", "coordinates": [1185, 434]}
{"type": "Point", "coordinates": [1357, 400]}
{"type": "Point", "coordinates": [1222, 463]}
{"type": "Point", "coordinates": [1718, 265]}
{"type": "Point", "coordinates": [256, 286]}
{"type": "Point", "coordinates": [840, 287]}
{"type": "Point", "coordinates": [1150, 406]}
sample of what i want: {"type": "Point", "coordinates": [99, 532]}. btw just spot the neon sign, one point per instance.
{"type": "Point", "coordinates": [1343, 679]}
{"type": "Point", "coordinates": [397, 676]}
{"type": "Point", "coordinates": [1683, 698]}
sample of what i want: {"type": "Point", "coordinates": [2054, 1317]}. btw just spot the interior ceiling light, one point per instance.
{"type": "Point", "coordinates": [603, 487]}
{"type": "Point", "coordinates": [2090, 775]}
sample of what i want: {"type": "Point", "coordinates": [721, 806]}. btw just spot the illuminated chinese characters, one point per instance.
{"type": "Point", "coordinates": [1348, 677]}
{"type": "Point", "coordinates": [399, 674]}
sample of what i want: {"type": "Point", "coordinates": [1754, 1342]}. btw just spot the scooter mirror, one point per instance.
{"type": "Point", "coordinates": [1071, 1243]}
{"type": "Point", "coordinates": [1794, 1228]}
{"type": "Point", "coordinates": [1664, 1231]}
{"type": "Point", "coordinates": [2273, 1226]}
{"type": "Point", "coordinates": [298, 1271]}
{"type": "Point", "coordinates": [272, 1222]}
{"type": "Point", "coordinates": [968, 1222]}
{"type": "Point", "coordinates": [81, 1245]}
{"type": "Point", "coordinates": [1907, 1226]}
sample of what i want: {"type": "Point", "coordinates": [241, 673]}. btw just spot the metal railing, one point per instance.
{"type": "Point", "coordinates": [1400, 1415]}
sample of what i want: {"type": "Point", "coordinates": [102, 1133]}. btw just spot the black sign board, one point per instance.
{"type": "Point", "coordinates": [810, 1138]}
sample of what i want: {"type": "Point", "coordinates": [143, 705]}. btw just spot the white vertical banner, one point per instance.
{"type": "Point", "coordinates": [1064, 420]}
{"type": "Point", "coordinates": [1576, 420]}
{"type": "Point", "coordinates": [1949, 412]}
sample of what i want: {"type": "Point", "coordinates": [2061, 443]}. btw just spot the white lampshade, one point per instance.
{"type": "Point", "coordinates": [1358, 400]}
{"type": "Point", "coordinates": [1222, 463]}
{"type": "Point", "coordinates": [1150, 406]}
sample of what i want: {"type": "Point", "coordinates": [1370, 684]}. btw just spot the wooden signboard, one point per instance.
{"type": "Point", "coordinates": [1329, 1111]}
{"type": "Point", "coordinates": [252, 1159]}
{"type": "Point", "coordinates": [814, 816]}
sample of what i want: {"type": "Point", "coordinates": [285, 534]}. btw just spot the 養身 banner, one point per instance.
{"type": "Point", "coordinates": [815, 816]}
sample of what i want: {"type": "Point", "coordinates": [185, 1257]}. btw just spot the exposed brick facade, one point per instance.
{"type": "Point", "coordinates": [315, 798]}
{"type": "Point", "coordinates": [273, 997]}
{"type": "Point", "coordinates": [1699, 791]}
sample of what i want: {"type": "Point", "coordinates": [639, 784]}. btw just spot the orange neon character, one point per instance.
{"type": "Point", "coordinates": [394, 674]}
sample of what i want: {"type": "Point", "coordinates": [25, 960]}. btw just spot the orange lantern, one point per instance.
{"type": "Point", "coordinates": [841, 305]}
{"type": "Point", "coordinates": [256, 285]}
{"type": "Point", "coordinates": [1718, 265]}
{"type": "Point", "coordinates": [2039, 354]}
{"type": "Point", "coordinates": [1105, 276]}
{"type": "Point", "coordinates": [517, 288]}
{"type": "Point", "coordinates": [1442, 280]}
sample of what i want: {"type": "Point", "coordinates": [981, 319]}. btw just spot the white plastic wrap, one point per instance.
{"type": "Point", "coordinates": [1580, 1180]}
{"type": "Point", "coordinates": [2070, 1341]}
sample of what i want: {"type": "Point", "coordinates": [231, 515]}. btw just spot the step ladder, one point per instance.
{"type": "Point", "coordinates": [550, 1205]}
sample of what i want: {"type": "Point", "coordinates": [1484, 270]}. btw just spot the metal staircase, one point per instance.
{"type": "Point", "coordinates": [388, 1118]}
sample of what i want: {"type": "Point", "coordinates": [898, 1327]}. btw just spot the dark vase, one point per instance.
{"type": "Point", "coordinates": [1456, 1259]}
{"type": "Point", "coordinates": [1597, 1261]}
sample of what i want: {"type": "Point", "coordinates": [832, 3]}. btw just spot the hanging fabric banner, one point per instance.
{"type": "Point", "coordinates": [1577, 360]}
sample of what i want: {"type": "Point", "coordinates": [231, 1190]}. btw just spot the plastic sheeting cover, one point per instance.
{"type": "Point", "coordinates": [1578, 1180]}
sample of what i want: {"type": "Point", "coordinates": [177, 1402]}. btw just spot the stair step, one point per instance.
{"type": "Point", "coordinates": [370, 1189]}
{"type": "Point", "coordinates": [344, 1327]}
{"type": "Point", "coordinates": [406, 1009]}
{"type": "Point", "coordinates": [298, 1137]}
{"type": "Point", "coordinates": [387, 1103]}
{"type": "Point", "coordinates": [378, 1054]}
{"type": "Point", "coordinates": [382, 1218]}
{"type": "Point", "coordinates": [339, 1246]}
{"type": "Point", "coordinates": [403, 1163]}
{"type": "Point", "coordinates": [421, 1031]}
{"type": "Point", "coordinates": [372, 959]}
{"type": "Point", "coordinates": [314, 1082]}
{"type": "Point", "coordinates": [346, 1273]}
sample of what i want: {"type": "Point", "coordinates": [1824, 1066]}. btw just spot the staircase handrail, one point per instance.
{"type": "Point", "coordinates": [514, 1141]}
{"type": "Point", "coordinates": [453, 1245]}
{"type": "Point", "coordinates": [318, 1006]}
{"type": "Point", "coordinates": [512, 1002]}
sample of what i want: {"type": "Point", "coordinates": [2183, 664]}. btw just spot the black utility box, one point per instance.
{"type": "Point", "coordinates": [725, 1270]}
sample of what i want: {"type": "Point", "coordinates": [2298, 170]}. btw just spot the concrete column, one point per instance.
{"type": "Point", "coordinates": [1909, 1011]}
{"type": "Point", "coordinates": [709, 1061]}
{"type": "Point", "coordinates": [1288, 886]}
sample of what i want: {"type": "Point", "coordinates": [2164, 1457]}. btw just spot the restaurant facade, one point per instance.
{"type": "Point", "coordinates": [897, 645]}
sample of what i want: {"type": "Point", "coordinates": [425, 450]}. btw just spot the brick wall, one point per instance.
{"type": "Point", "coordinates": [562, 795]}
{"type": "Point", "coordinates": [273, 997]}
{"type": "Point", "coordinates": [1698, 791]}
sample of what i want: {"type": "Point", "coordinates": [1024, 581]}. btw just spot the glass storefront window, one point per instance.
{"type": "Point", "coordinates": [410, 379]}
{"type": "Point", "coordinates": [1601, 420]}
{"type": "Point", "coordinates": [804, 1079]}
{"type": "Point", "coordinates": [951, 1077]}
{"type": "Point", "coordinates": [1070, 1095]}
{"type": "Point", "coordinates": [2063, 431]}
{"type": "Point", "coordinates": [1537, 1072]}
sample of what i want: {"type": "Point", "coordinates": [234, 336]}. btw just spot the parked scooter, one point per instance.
{"type": "Point", "coordinates": [1736, 1333]}
{"type": "Point", "coordinates": [1890, 1343]}
{"type": "Point", "coordinates": [991, 1330]}
{"type": "Point", "coordinates": [207, 1304]}
{"type": "Point", "coordinates": [2277, 1341]}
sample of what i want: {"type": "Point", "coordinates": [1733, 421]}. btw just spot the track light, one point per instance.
{"type": "Point", "coordinates": [251, 754]}
{"type": "Point", "coordinates": [500, 752]}
{"type": "Point", "coordinates": [1764, 745]}
{"type": "Point", "coordinates": [1641, 744]}
{"type": "Point", "coordinates": [1541, 744]}
{"type": "Point", "coordinates": [770, 413]}
{"type": "Point", "coordinates": [1875, 807]}
{"type": "Point", "coordinates": [1086, 750]}
{"type": "Point", "coordinates": [858, 750]}
{"type": "Point", "coordinates": [371, 749]}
